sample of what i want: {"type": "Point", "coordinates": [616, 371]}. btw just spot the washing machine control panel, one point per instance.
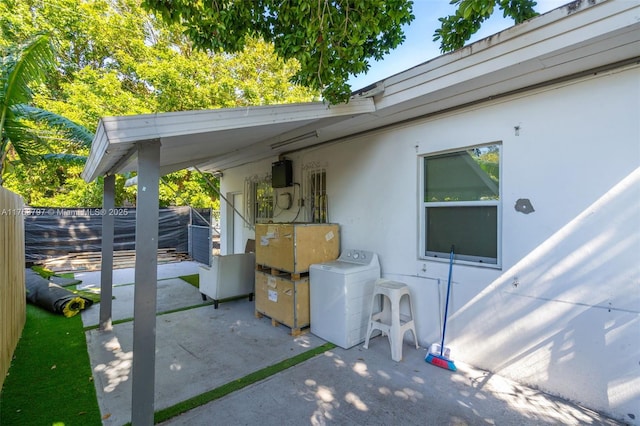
{"type": "Point", "coordinates": [362, 257]}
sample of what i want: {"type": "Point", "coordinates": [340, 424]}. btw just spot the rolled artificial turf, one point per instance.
{"type": "Point", "coordinates": [49, 380]}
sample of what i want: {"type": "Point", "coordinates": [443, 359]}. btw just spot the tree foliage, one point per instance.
{"type": "Point", "coordinates": [26, 132]}
{"type": "Point", "coordinates": [455, 30]}
{"type": "Point", "coordinates": [331, 39]}
{"type": "Point", "coordinates": [114, 58]}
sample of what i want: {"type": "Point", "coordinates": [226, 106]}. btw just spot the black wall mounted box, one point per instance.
{"type": "Point", "coordinates": [282, 174]}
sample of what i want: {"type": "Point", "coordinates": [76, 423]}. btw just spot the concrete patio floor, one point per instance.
{"type": "Point", "coordinates": [201, 348]}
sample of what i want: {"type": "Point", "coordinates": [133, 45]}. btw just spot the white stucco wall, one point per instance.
{"type": "Point", "coordinates": [571, 326]}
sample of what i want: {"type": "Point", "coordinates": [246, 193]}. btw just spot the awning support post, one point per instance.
{"type": "Point", "coordinates": [106, 268]}
{"type": "Point", "coordinates": [146, 284]}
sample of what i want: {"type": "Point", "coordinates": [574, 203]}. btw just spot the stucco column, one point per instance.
{"type": "Point", "coordinates": [146, 281]}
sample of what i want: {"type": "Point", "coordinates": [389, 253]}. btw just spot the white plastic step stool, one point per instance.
{"type": "Point", "coordinates": [389, 320]}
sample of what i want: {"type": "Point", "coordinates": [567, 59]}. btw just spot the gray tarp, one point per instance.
{"type": "Point", "coordinates": [58, 232]}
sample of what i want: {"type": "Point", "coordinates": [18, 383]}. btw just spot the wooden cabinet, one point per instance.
{"type": "Point", "coordinates": [284, 252]}
{"type": "Point", "coordinates": [293, 247]}
{"type": "Point", "coordinates": [284, 300]}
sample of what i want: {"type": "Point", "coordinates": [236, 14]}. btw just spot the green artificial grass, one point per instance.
{"type": "Point", "coordinates": [48, 273]}
{"type": "Point", "coordinates": [184, 406]}
{"type": "Point", "coordinates": [123, 320]}
{"type": "Point", "coordinates": [42, 271]}
{"type": "Point", "coordinates": [65, 275]}
{"type": "Point", "coordinates": [194, 279]}
{"type": "Point", "coordinates": [94, 297]}
{"type": "Point", "coordinates": [50, 381]}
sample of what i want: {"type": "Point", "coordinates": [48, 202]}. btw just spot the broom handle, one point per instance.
{"type": "Point", "coordinates": [446, 304]}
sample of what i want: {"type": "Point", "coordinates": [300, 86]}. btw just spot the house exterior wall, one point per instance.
{"type": "Point", "coordinates": [562, 313]}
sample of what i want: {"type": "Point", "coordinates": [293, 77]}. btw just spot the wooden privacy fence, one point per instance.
{"type": "Point", "coordinates": [12, 287]}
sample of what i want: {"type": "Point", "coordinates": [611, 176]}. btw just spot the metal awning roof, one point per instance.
{"type": "Point", "coordinates": [575, 39]}
{"type": "Point", "coordinates": [189, 138]}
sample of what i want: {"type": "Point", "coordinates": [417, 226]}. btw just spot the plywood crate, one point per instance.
{"type": "Point", "coordinates": [293, 247]}
{"type": "Point", "coordinates": [283, 300]}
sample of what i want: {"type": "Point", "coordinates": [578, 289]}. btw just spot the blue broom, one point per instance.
{"type": "Point", "coordinates": [439, 360]}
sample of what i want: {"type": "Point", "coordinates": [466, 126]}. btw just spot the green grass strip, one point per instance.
{"type": "Point", "coordinates": [42, 271]}
{"type": "Point", "coordinates": [50, 380]}
{"type": "Point", "coordinates": [48, 273]}
{"type": "Point", "coordinates": [65, 275]}
{"type": "Point", "coordinates": [194, 279]}
{"type": "Point", "coordinates": [94, 297]}
{"type": "Point", "coordinates": [123, 320]}
{"type": "Point", "coordinates": [219, 392]}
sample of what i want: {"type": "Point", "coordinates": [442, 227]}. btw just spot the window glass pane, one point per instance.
{"type": "Point", "coordinates": [318, 196]}
{"type": "Point", "coordinates": [473, 231]}
{"type": "Point", "coordinates": [469, 175]}
{"type": "Point", "coordinates": [264, 201]}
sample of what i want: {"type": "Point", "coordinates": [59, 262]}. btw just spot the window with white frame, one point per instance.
{"type": "Point", "coordinates": [461, 204]}
{"type": "Point", "coordinates": [259, 199]}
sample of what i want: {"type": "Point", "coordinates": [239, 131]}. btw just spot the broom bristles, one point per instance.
{"type": "Point", "coordinates": [440, 361]}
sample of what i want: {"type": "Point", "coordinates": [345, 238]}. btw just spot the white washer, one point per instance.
{"type": "Point", "coordinates": [340, 297]}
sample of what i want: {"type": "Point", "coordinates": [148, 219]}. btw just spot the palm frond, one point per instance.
{"type": "Point", "coordinates": [65, 158]}
{"type": "Point", "coordinates": [22, 66]}
{"type": "Point", "coordinates": [27, 145]}
{"type": "Point", "coordinates": [72, 131]}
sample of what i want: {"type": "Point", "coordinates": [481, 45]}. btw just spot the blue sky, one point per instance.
{"type": "Point", "coordinates": [418, 46]}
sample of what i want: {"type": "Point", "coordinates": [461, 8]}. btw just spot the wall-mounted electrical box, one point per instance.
{"type": "Point", "coordinates": [282, 174]}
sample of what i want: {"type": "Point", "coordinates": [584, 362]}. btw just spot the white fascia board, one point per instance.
{"type": "Point", "coordinates": [156, 126]}
{"type": "Point", "coordinates": [530, 42]}
{"type": "Point", "coordinates": [98, 150]}
{"type": "Point", "coordinates": [517, 37]}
